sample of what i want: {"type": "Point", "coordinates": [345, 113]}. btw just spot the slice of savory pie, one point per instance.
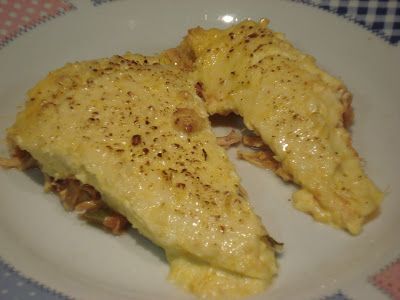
{"type": "Point", "coordinates": [134, 131]}
{"type": "Point", "coordinates": [299, 111]}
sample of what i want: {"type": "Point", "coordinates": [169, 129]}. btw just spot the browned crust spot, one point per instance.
{"type": "Point", "coordinates": [187, 120]}
{"type": "Point", "coordinates": [199, 89]}
{"type": "Point", "coordinates": [181, 56]}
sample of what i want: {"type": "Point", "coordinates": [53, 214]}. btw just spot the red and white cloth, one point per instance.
{"type": "Point", "coordinates": [19, 16]}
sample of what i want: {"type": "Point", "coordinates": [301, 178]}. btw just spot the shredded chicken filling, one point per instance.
{"type": "Point", "coordinates": [262, 156]}
{"type": "Point", "coordinates": [87, 203]}
{"type": "Point", "coordinates": [230, 139]}
{"type": "Point", "coordinates": [74, 196]}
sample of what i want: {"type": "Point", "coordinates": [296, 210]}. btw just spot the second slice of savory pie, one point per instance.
{"type": "Point", "coordinates": [135, 131]}
{"type": "Point", "coordinates": [297, 109]}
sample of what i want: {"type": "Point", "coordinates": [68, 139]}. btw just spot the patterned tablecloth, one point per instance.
{"type": "Point", "coordinates": [382, 17]}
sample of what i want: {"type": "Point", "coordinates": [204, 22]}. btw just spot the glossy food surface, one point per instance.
{"type": "Point", "coordinates": [135, 130]}
{"type": "Point", "coordinates": [299, 111]}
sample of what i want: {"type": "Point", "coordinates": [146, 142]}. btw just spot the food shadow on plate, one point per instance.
{"type": "Point", "coordinates": [35, 175]}
{"type": "Point", "coordinates": [135, 237]}
{"type": "Point", "coordinates": [145, 243]}
{"type": "Point", "coordinates": [232, 121]}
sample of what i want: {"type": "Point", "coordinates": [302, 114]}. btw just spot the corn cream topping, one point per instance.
{"type": "Point", "coordinates": [298, 110]}
{"type": "Point", "coordinates": [135, 130]}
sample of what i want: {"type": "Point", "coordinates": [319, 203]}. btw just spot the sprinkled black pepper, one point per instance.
{"type": "Point", "coordinates": [180, 185]}
{"type": "Point", "coordinates": [205, 154]}
{"type": "Point", "coordinates": [199, 89]}
{"type": "Point", "coordinates": [136, 140]}
{"type": "Point", "coordinates": [252, 35]}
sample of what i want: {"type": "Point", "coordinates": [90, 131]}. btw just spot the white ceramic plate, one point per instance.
{"type": "Point", "coordinates": [55, 249]}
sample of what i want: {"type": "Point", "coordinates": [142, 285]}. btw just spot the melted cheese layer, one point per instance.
{"type": "Point", "coordinates": [136, 131]}
{"type": "Point", "coordinates": [295, 107]}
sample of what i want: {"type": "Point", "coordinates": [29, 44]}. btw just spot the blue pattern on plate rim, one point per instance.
{"type": "Point", "coordinates": [98, 2]}
{"type": "Point", "coordinates": [337, 296]}
{"type": "Point", "coordinates": [14, 285]}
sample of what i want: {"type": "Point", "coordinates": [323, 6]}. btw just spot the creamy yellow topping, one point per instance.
{"type": "Point", "coordinates": [202, 279]}
{"type": "Point", "coordinates": [135, 130]}
{"type": "Point", "coordinates": [295, 107]}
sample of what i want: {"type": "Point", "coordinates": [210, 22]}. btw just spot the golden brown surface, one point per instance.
{"type": "Point", "coordinates": [135, 130]}
{"type": "Point", "coordinates": [299, 111]}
